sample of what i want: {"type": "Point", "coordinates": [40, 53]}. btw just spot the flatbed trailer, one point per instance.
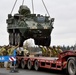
{"type": "Point", "coordinates": [65, 61]}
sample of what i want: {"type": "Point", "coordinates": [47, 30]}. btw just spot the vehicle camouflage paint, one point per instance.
{"type": "Point", "coordinates": [24, 25]}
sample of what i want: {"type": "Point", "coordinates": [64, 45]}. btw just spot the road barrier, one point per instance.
{"type": "Point", "coordinates": [11, 58]}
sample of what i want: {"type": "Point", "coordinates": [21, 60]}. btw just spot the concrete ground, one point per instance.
{"type": "Point", "coordinates": [3, 71]}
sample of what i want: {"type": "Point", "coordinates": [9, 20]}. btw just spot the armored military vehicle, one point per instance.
{"type": "Point", "coordinates": [24, 25]}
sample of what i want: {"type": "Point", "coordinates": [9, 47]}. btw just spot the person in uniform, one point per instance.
{"type": "Point", "coordinates": [59, 50]}
{"type": "Point", "coordinates": [1, 51]}
{"type": "Point", "coordinates": [43, 50]}
{"type": "Point", "coordinates": [4, 52]}
{"type": "Point", "coordinates": [26, 52]}
{"type": "Point", "coordinates": [55, 52]}
{"type": "Point", "coordinates": [11, 51]}
{"type": "Point", "coordinates": [50, 52]}
{"type": "Point", "coordinates": [47, 52]}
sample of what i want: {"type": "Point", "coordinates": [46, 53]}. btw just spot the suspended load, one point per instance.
{"type": "Point", "coordinates": [24, 25]}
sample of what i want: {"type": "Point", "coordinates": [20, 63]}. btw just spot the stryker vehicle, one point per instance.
{"type": "Point", "coordinates": [24, 25]}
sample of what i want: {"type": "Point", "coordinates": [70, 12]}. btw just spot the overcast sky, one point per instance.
{"type": "Point", "coordinates": [64, 12]}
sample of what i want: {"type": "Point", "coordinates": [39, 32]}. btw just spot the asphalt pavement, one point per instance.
{"type": "Point", "coordinates": [3, 71]}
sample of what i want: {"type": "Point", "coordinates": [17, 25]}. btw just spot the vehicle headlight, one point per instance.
{"type": "Point", "coordinates": [33, 27]}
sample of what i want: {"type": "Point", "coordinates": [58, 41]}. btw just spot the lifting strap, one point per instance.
{"type": "Point", "coordinates": [32, 7]}
{"type": "Point", "coordinates": [13, 6]}
{"type": "Point", "coordinates": [45, 8]}
{"type": "Point", "coordinates": [22, 2]}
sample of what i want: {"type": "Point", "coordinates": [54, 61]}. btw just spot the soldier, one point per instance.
{"type": "Point", "coordinates": [26, 52]}
{"type": "Point", "coordinates": [50, 51]}
{"type": "Point", "coordinates": [55, 53]}
{"type": "Point", "coordinates": [11, 52]}
{"type": "Point", "coordinates": [1, 51]}
{"type": "Point", "coordinates": [1, 55]}
{"type": "Point", "coordinates": [6, 50]}
{"type": "Point", "coordinates": [43, 50]}
{"type": "Point", "coordinates": [59, 50]}
{"type": "Point", "coordinates": [12, 48]}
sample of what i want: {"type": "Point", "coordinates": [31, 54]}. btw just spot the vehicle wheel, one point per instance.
{"type": "Point", "coordinates": [71, 67]}
{"type": "Point", "coordinates": [29, 64]}
{"type": "Point", "coordinates": [11, 39]}
{"type": "Point", "coordinates": [16, 43]}
{"type": "Point", "coordinates": [36, 65]}
{"type": "Point", "coordinates": [19, 39]}
{"type": "Point", "coordinates": [23, 64]}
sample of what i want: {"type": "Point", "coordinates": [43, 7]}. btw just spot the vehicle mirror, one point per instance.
{"type": "Point", "coordinates": [52, 19]}
{"type": "Point", "coordinates": [9, 15]}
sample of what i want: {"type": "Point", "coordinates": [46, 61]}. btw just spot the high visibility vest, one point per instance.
{"type": "Point", "coordinates": [55, 53]}
{"type": "Point", "coordinates": [43, 49]}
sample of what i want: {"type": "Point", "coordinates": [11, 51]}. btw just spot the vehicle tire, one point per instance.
{"type": "Point", "coordinates": [36, 65]}
{"type": "Point", "coordinates": [16, 42]}
{"type": "Point", "coordinates": [11, 39]}
{"type": "Point", "coordinates": [71, 66]}
{"type": "Point", "coordinates": [19, 39]}
{"type": "Point", "coordinates": [23, 64]}
{"type": "Point", "coordinates": [29, 64]}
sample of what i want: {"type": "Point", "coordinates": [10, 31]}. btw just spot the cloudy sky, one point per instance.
{"type": "Point", "coordinates": [64, 12]}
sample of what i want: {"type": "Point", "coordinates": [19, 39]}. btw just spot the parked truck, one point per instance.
{"type": "Point", "coordinates": [65, 61]}
{"type": "Point", "coordinates": [24, 25]}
